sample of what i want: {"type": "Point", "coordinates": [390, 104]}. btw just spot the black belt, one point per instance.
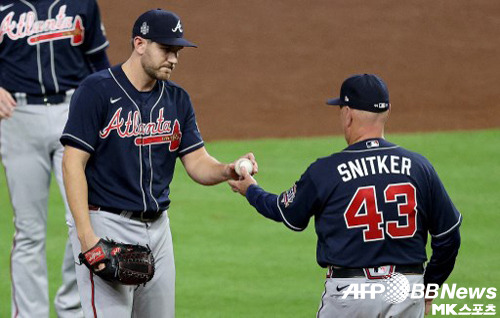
{"type": "Point", "coordinates": [46, 99]}
{"type": "Point", "coordinates": [144, 216]}
{"type": "Point", "coordinates": [345, 272]}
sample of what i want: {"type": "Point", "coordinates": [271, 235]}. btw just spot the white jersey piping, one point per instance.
{"type": "Point", "coordinates": [52, 64]}
{"type": "Point", "coordinates": [97, 48]}
{"type": "Point", "coordinates": [78, 139]}
{"type": "Point", "coordinates": [283, 217]}
{"type": "Point", "coordinates": [450, 229]}
{"type": "Point", "coordinates": [372, 149]}
{"type": "Point", "coordinates": [192, 146]}
{"type": "Point", "coordinates": [150, 160]}
{"type": "Point", "coordinates": [140, 148]}
{"type": "Point", "coordinates": [39, 64]}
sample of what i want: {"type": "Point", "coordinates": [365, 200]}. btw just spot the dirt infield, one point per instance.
{"type": "Point", "coordinates": [265, 68]}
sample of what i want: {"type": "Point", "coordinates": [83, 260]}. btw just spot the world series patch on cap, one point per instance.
{"type": "Point", "coordinates": [161, 26]}
{"type": "Point", "coordinates": [364, 92]}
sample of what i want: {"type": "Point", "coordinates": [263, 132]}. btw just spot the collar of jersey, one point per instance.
{"type": "Point", "coordinates": [363, 145]}
{"type": "Point", "coordinates": [130, 88]}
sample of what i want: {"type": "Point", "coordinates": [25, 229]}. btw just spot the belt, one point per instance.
{"type": "Point", "coordinates": [42, 99]}
{"type": "Point", "coordinates": [373, 272]}
{"type": "Point", "coordinates": [144, 216]}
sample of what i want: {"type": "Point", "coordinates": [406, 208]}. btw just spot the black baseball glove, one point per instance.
{"type": "Point", "coordinates": [124, 263]}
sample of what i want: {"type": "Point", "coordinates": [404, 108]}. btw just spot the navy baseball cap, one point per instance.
{"type": "Point", "coordinates": [161, 26]}
{"type": "Point", "coordinates": [364, 92]}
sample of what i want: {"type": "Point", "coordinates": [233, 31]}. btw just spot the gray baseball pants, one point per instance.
{"type": "Point", "coordinates": [101, 298]}
{"type": "Point", "coordinates": [333, 305]}
{"type": "Point", "coordinates": [30, 150]}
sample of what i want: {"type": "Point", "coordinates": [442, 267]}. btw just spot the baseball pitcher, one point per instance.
{"type": "Point", "coordinates": [127, 126]}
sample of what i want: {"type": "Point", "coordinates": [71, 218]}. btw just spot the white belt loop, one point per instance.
{"type": "Point", "coordinates": [20, 99]}
{"type": "Point", "coordinates": [69, 93]}
{"type": "Point", "coordinates": [127, 214]}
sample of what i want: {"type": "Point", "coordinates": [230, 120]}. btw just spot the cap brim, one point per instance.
{"type": "Point", "coordinates": [335, 101]}
{"type": "Point", "coordinates": [175, 42]}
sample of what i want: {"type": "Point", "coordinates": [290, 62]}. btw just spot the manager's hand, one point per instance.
{"type": "Point", "coordinates": [241, 185]}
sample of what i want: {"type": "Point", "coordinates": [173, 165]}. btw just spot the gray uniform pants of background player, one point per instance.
{"type": "Point", "coordinates": [30, 150]}
{"type": "Point", "coordinates": [332, 304]}
{"type": "Point", "coordinates": [105, 299]}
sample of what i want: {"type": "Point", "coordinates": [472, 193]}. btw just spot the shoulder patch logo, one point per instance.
{"type": "Point", "coordinates": [289, 196]}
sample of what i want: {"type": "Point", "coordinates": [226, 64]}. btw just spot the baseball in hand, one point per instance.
{"type": "Point", "coordinates": [243, 162]}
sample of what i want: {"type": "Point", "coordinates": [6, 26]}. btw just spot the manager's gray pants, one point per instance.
{"type": "Point", "coordinates": [333, 305]}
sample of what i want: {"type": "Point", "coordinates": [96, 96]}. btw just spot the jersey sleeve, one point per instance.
{"type": "Point", "coordinates": [444, 216]}
{"type": "Point", "coordinates": [85, 115]}
{"type": "Point", "coordinates": [98, 61]}
{"type": "Point", "coordinates": [95, 38]}
{"type": "Point", "coordinates": [299, 203]}
{"type": "Point", "coordinates": [294, 207]}
{"type": "Point", "coordinates": [191, 136]}
{"type": "Point", "coordinates": [444, 253]}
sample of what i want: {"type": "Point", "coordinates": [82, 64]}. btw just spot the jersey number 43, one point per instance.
{"type": "Point", "coordinates": [363, 212]}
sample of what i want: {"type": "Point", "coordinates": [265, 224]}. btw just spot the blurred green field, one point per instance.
{"type": "Point", "coordinates": [232, 262]}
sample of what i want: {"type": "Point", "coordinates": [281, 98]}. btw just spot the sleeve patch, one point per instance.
{"type": "Point", "coordinates": [289, 195]}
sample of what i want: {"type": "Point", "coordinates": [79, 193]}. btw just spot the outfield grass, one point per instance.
{"type": "Point", "coordinates": [231, 262]}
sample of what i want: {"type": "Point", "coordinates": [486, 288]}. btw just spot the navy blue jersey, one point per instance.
{"type": "Point", "coordinates": [374, 204]}
{"type": "Point", "coordinates": [133, 138]}
{"type": "Point", "coordinates": [44, 44]}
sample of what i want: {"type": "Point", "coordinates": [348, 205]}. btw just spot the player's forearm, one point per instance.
{"type": "Point", "coordinates": [75, 184]}
{"type": "Point", "coordinates": [205, 169]}
{"type": "Point", "coordinates": [209, 171]}
{"type": "Point", "coordinates": [444, 253]}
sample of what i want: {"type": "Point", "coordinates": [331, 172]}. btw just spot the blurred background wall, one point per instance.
{"type": "Point", "coordinates": [265, 68]}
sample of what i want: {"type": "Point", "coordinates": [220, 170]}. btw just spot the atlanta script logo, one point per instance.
{"type": "Point", "coordinates": [160, 131]}
{"type": "Point", "coordinates": [62, 27]}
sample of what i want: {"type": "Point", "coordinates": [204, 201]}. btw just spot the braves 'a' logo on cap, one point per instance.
{"type": "Point", "coordinates": [178, 27]}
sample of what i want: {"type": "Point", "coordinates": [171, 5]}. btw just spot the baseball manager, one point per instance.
{"type": "Point", "coordinates": [374, 204]}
